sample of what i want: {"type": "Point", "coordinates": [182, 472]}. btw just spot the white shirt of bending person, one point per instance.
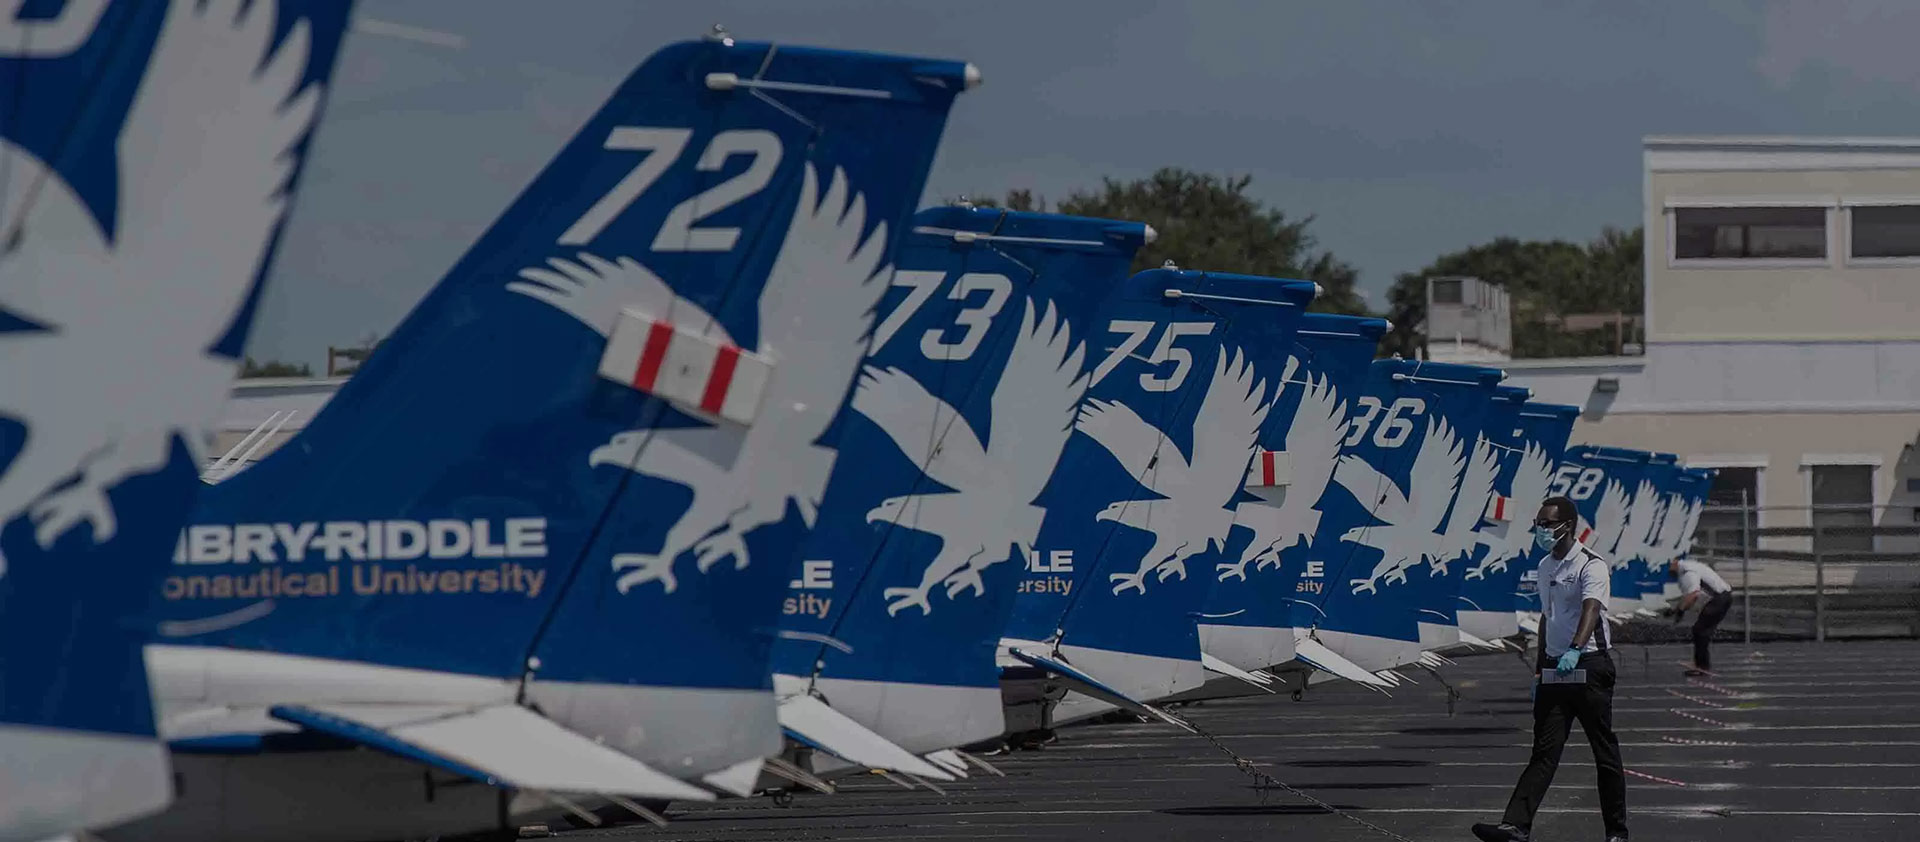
{"type": "Point", "coordinates": [1694, 575]}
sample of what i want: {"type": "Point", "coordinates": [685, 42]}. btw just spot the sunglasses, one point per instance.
{"type": "Point", "coordinates": [1550, 524]}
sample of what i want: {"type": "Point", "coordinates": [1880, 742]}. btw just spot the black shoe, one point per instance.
{"type": "Point", "coordinates": [1616, 839]}
{"type": "Point", "coordinates": [1501, 832]}
{"type": "Point", "coordinates": [1691, 673]}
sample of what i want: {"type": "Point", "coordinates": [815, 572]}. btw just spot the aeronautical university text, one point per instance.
{"type": "Point", "coordinates": [379, 552]}
{"type": "Point", "coordinates": [1055, 562]}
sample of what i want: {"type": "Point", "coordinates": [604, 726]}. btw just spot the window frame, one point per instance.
{"type": "Point", "coordinates": [1758, 515]}
{"type": "Point", "coordinates": [1871, 461]}
{"type": "Point", "coordinates": [1846, 253]}
{"type": "Point", "coordinates": [1829, 204]}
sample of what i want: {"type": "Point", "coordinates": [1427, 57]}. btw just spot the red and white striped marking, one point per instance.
{"type": "Point", "coordinates": [1689, 665]}
{"type": "Point", "coordinates": [1708, 685]}
{"type": "Point", "coordinates": [1654, 778]}
{"type": "Point", "coordinates": [1698, 718]}
{"type": "Point", "coordinates": [1687, 742]}
{"type": "Point", "coordinates": [1696, 700]}
{"type": "Point", "coordinates": [1500, 508]}
{"type": "Point", "coordinates": [1269, 469]}
{"type": "Point", "coordinates": [691, 370]}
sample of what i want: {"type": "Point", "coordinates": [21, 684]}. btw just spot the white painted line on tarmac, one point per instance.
{"type": "Point", "coordinates": [1846, 765]}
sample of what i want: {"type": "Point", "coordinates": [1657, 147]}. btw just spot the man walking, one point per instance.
{"type": "Point", "coordinates": [1700, 584]}
{"type": "Point", "coordinates": [1573, 642]}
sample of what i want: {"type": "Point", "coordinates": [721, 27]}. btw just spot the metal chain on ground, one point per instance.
{"type": "Point", "coordinates": [1264, 781]}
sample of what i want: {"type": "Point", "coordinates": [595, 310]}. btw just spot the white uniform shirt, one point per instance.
{"type": "Point", "coordinates": [1565, 585]}
{"type": "Point", "coordinates": [1693, 575]}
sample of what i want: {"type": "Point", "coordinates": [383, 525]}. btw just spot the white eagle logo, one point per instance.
{"type": "Point", "coordinates": [1665, 545]}
{"type": "Point", "coordinates": [1531, 481]}
{"type": "Point", "coordinates": [1636, 535]}
{"type": "Point", "coordinates": [1411, 519]}
{"type": "Point", "coordinates": [1462, 533]}
{"type": "Point", "coordinates": [1191, 513]}
{"type": "Point", "coordinates": [815, 311]}
{"type": "Point", "coordinates": [1285, 516]}
{"type": "Point", "coordinates": [123, 367]}
{"type": "Point", "coordinates": [990, 508]}
{"type": "Point", "coordinates": [1609, 519]}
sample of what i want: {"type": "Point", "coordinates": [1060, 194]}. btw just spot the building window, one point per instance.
{"type": "Point", "coordinates": [1749, 233]}
{"type": "Point", "coordinates": [1735, 493]}
{"type": "Point", "coordinates": [1886, 231]}
{"type": "Point", "coordinates": [1842, 508]}
{"type": "Point", "coordinates": [1447, 291]}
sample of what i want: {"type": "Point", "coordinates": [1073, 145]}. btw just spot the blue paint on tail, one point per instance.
{"type": "Point", "coordinates": [100, 156]}
{"type": "Point", "coordinates": [480, 493]}
{"type": "Point", "coordinates": [1409, 445]}
{"type": "Point", "coordinates": [967, 399]}
{"type": "Point", "coordinates": [1492, 580]}
{"type": "Point", "coordinates": [1180, 400]}
{"type": "Point", "coordinates": [1439, 601]}
{"type": "Point", "coordinates": [1265, 567]}
{"type": "Point", "coordinates": [1602, 483]}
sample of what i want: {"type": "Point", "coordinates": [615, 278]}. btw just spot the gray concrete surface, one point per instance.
{"type": "Point", "coordinates": [1794, 741]}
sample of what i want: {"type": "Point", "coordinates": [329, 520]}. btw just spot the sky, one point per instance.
{"type": "Point", "coordinates": [1406, 129]}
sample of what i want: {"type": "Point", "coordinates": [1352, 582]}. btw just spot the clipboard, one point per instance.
{"type": "Point", "coordinates": [1578, 676]}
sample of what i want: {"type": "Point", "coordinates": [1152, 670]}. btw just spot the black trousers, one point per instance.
{"type": "Point", "coordinates": [1710, 616]}
{"type": "Point", "coordinates": [1555, 707]}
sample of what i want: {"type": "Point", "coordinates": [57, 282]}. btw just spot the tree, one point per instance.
{"type": "Point", "coordinates": [1547, 280]}
{"type": "Point", "coordinates": [355, 356]}
{"type": "Point", "coordinates": [273, 368]}
{"type": "Point", "coordinates": [1209, 222]}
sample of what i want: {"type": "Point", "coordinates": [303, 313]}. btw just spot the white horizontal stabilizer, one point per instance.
{"type": "Point", "coordinates": [503, 744]}
{"type": "Point", "coordinates": [949, 760]}
{"type": "Point", "coordinates": [1315, 654]}
{"type": "Point", "coordinates": [739, 779]}
{"type": "Point", "coordinates": [1093, 687]}
{"type": "Point", "coordinates": [814, 723]}
{"type": "Point", "coordinates": [1260, 680]}
{"type": "Point", "coordinates": [1478, 642]}
{"type": "Point", "coordinates": [1530, 623]}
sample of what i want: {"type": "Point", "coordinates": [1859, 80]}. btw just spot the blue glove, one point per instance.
{"type": "Point", "coordinates": [1568, 660]}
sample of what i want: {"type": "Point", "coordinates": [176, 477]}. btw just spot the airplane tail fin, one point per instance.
{"type": "Point", "coordinates": [915, 579]}
{"type": "Point", "coordinates": [477, 461]}
{"type": "Point", "coordinates": [120, 201]}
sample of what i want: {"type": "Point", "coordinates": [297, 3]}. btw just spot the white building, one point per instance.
{"type": "Point", "coordinates": [1468, 321]}
{"type": "Point", "coordinates": [1782, 325]}
{"type": "Point", "coordinates": [1782, 329]}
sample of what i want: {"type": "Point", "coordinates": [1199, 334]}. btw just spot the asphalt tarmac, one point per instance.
{"type": "Point", "coordinates": [1786, 741]}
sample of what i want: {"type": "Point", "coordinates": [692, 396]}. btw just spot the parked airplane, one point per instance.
{"type": "Point", "coordinates": [1647, 568]}
{"type": "Point", "coordinates": [1491, 598]}
{"type": "Point", "coordinates": [1602, 482]}
{"type": "Point", "coordinates": [1466, 532]}
{"type": "Point", "coordinates": [1245, 625]}
{"type": "Point", "coordinates": [476, 560]}
{"type": "Point", "coordinates": [976, 370]}
{"type": "Point", "coordinates": [1690, 495]}
{"type": "Point", "coordinates": [149, 153]}
{"type": "Point", "coordinates": [1144, 500]}
{"type": "Point", "coordinates": [1399, 473]}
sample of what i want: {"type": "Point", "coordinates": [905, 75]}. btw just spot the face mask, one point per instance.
{"type": "Point", "coordinates": [1543, 538]}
